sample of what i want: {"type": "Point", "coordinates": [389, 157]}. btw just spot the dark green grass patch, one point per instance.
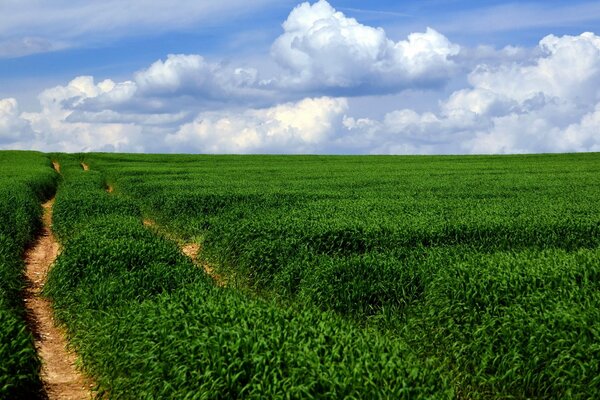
{"type": "Point", "coordinates": [210, 343]}
{"type": "Point", "coordinates": [517, 323]}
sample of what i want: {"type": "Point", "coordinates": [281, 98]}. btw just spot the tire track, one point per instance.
{"type": "Point", "coordinates": [191, 250]}
{"type": "Point", "coordinates": [59, 374]}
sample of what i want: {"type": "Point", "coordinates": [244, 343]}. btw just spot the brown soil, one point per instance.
{"type": "Point", "coordinates": [56, 166]}
{"type": "Point", "coordinates": [218, 279]}
{"type": "Point", "coordinates": [109, 188]}
{"type": "Point", "coordinates": [149, 222]}
{"type": "Point", "coordinates": [85, 166]}
{"type": "Point", "coordinates": [59, 374]}
{"type": "Point", "coordinates": [191, 250]}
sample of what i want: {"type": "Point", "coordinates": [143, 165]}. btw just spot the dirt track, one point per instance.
{"type": "Point", "coordinates": [191, 250]}
{"type": "Point", "coordinates": [61, 378]}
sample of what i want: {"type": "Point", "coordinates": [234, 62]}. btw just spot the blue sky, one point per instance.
{"type": "Point", "coordinates": [46, 46]}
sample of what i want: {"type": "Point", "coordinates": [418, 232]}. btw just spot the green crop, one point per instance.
{"type": "Point", "coordinates": [347, 276]}
{"type": "Point", "coordinates": [486, 263]}
{"type": "Point", "coordinates": [148, 323]}
{"type": "Point", "coordinates": [26, 179]}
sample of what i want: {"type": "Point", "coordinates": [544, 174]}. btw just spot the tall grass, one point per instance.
{"type": "Point", "coordinates": [487, 264]}
{"type": "Point", "coordinates": [150, 324]}
{"type": "Point", "coordinates": [26, 179]}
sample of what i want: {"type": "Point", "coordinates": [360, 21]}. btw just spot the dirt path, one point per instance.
{"type": "Point", "coordinates": [85, 166]}
{"type": "Point", "coordinates": [191, 250]}
{"type": "Point", "coordinates": [61, 378]}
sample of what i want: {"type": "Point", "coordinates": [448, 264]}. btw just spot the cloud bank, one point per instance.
{"type": "Point", "coordinates": [322, 48]}
{"type": "Point", "coordinates": [546, 105]}
{"type": "Point", "coordinates": [511, 100]}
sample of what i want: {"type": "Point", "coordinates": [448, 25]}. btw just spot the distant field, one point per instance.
{"type": "Point", "coordinates": [357, 277]}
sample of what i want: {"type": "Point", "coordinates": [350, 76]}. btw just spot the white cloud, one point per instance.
{"type": "Point", "coordinates": [178, 72]}
{"type": "Point", "coordinates": [12, 127]}
{"type": "Point", "coordinates": [548, 101]}
{"type": "Point", "coordinates": [54, 129]}
{"type": "Point", "coordinates": [548, 105]}
{"type": "Point", "coordinates": [180, 84]}
{"type": "Point", "coordinates": [584, 136]}
{"type": "Point", "coordinates": [322, 48]}
{"type": "Point", "coordinates": [477, 101]}
{"type": "Point", "coordinates": [568, 68]}
{"type": "Point", "coordinates": [301, 127]}
{"type": "Point", "coordinates": [65, 124]}
{"type": "Point", "coordinates": [191, 74]}
{"type": "Point", "coordinates": [77, 91]}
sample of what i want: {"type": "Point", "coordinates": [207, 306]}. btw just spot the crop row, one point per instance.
{"type": "Point", "coordinates": [150, 324]}
{"type": "Point", "coordinates": [26, 180]}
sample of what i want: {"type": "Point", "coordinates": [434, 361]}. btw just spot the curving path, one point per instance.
{"type": "Point", "coordinates": [61, 378]}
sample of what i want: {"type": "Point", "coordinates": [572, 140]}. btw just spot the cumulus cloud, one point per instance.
{"type": "Point", "coordinates": [512, 100]}
{"type": "Point", "coordinates": [54, 128]}
{"type": "Point", "coordinates": [132, 115]}
{"type": "Point", "coordinates": [79, 90]}
{"type": "Point", "coordinates": [296, 127]}
{"type": "Point", "coordinates": [549, 104]}
{"type": "Point", "coordinates": [566, 69]}
{"type": "Point", "coordinates": [301, 127]}
{"type": "Point", "coordinates": [191, 74]}
{"type": "Point", "coordinates": [322, 48]}
{"type": "Point", "coordinates": [181, 84]}
{"type": "Point", "coordinates": [12, 127]}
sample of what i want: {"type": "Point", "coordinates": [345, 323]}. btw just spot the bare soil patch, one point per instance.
{"type": "Point", "coordinates": [210, 271]}
{"type": "Point", "coordinates": [149, 222]}
{"type": "Point", "coordinates": [191, 250]}
{"type": "Point", "coordinates": [59, 374]}
{"type": "Point", "coordinates": [85, 166]}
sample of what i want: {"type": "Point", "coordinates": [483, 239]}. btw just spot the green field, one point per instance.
{"type": "Point", "coordinates": [346, 277]}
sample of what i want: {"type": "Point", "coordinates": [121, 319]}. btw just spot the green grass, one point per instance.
{"type": "Point", "coordinates": [26, 179]}
{"type": "Point", "coordinates": [348, 277]}
{"type": "Point", "coordinates": [150, 324]}
{"type": "Point", "coordinates": [485, 263]}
